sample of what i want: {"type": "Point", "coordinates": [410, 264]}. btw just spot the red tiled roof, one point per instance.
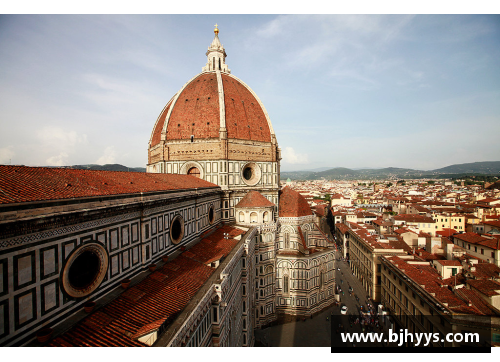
{"type": "Point", "coordinates": [254, 199]}
{"type": "Point", "coordinates": [293, 204]}
{"type": "Point", "coordinates": [495, 223]}
{"type": "Point", "coordinates": [469, 237]}
{"type": "Point", "coordinates": [487, 287]}
{"type": "Point", "coordinates": [197, 112]}
{"type": "Point", "coordinates": [343, 228]}
{"type": "Point", "coordinates": [457, 279]}
{"type": "Point", "coordinates": [400, 244]}
{"type": "Point", "coordinates": [26, 184]}
{"type": "Point", "coordinates": [449, 262]}
{"type": "Point", "coordinates": [491, 243]}
{"type": "Point", "coordinates": [245, 118]}
{"type": "Point", "coordinates": [320, 210]}
{"type": "Point", "coordinates": [156, 300]}
{"type": "Point", "coordinates": [429, 278]}
{"type": "Point", "coordinates": [425, 255]}
{"type": "Point", "coordinates": [403, 230]}
{"type": "Point", "coordinates": [469, 295]}
{"type": "Point", "coordinates": [486, 270]}
{"type": "Point", "coordinates": [446, 232]}
{"type": "Point", "coordinates": [382, 222]}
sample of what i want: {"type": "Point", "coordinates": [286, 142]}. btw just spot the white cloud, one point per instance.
{"type": "Point", "coordinates": [59, 144]}
{"type": "Point", "coordinates": [55, 136]}
{"type": "Point", "coordinates": [59, 160]}
{"type": "Point", "coordinates": [108, 157]}
{"type": "Point", "coordinates": [6, 154]}
{"type": "Point", "coordinates": [291, 157]}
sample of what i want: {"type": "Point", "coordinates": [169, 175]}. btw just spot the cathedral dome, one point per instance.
{"type": "Point", "coordinates": [208, 103]}
{"type": "Point", "coordinates": [214, 104]}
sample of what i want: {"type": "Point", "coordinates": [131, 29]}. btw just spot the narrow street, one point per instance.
{"type": "Point", "coordinates": [316, 331]}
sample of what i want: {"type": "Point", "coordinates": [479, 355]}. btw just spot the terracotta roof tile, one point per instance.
{"type": "Point", "coordinates": [293, 204]}
{"type": "Point", "coordinates": [196, 111]}
{"type": "Point", "coordinates": [487, 287]}
{"type": "Point", "coordinates": [154, 301]}
{"type": "Point", "coordinates": [254, 199]}
{"type": "Point", "coordinates": [27, 184]}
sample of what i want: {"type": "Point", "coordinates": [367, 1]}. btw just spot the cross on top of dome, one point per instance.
{"type": "Point", "coordinates": [216, 55]}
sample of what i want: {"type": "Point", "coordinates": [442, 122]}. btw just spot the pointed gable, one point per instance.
{"type": "Point", "coordinates": [293, 204]}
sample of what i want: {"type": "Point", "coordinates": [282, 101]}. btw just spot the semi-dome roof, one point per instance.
{"type": "Point", "coordinates": [254, 199]}
{"type": "Point", "coordinates": [293, 204]}
{"type": "Point", "coordinates": [212, 102]}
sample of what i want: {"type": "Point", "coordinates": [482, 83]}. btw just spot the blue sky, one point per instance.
{"type": "Point", "coordinates": [341, 90]}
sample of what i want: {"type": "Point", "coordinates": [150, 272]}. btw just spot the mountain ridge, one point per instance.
{"type": "Point", "coordinates": [343, 173]}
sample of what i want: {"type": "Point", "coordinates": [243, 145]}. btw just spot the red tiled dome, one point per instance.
{"type": "Point", "coordinates": [196, 111]}
{"type": "Point", "coordinates": [254, 199]}
{"type": "Point", "coordinates": [293, 204]}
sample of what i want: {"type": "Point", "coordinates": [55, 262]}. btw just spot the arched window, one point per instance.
{"type": "Point", "coordinates": [242, 216]}
{"type": "Point", "coordinates": [285, 284]}
{"type": "Point", "coordinates": [193, 171]}
{"type": "Point", "coordinates": [266, 216]}
{"type": "Point", "coordinates": [253, 217]}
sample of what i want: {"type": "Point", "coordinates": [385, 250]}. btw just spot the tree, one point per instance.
{"type": "Point", "coordinates": [389, 184]}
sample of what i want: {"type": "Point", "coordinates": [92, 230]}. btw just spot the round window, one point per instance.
{"type": "Point", "coordinates": [177, 229]}
{"type": "Point", "coordinates": [211, 215]}
{"type": "Point", "coordinates": [247, 173]}
{"type": "Point", "coordinates": [85, 270]}
{"type": "Point", "coordinates": [251, 174]}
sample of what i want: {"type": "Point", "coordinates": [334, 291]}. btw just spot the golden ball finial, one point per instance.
{"type": "Point", "coordinates": [216, 30]}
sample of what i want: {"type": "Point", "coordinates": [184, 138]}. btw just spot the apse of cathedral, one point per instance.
{"type": "Point", "coordinates": [201, 250]}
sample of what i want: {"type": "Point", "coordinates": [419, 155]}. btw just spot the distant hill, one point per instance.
{"type": "Point", "coordinates": [488, 167]}
{"type": "Point", "coordinates": [342, 173]}
{"type": "Point", "coordinates": [110, 167]}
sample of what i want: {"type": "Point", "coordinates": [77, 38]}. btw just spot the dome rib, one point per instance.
{"type": "Point", "coordinates": [243, 120]}
{"type": "Point", "coordinates": [208, 103]}
{"type": "Point", "coordinates": [157, 130]}
{"type": "Point", "coordinates": [196, 110]}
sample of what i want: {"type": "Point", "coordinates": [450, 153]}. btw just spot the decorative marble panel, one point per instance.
{"type": "Point", "coordinates": [50, 296]}
{"type": "Point", "coordinates": [49, 262]}
{"type": "Point", "coordinates": [24, 308]}
{"type": "Point", "coordinates": [24, 270]}
{"type": "Point", "coordinates": [125, 235]}
{"type": "Point", "coordinates": [113, 239]}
